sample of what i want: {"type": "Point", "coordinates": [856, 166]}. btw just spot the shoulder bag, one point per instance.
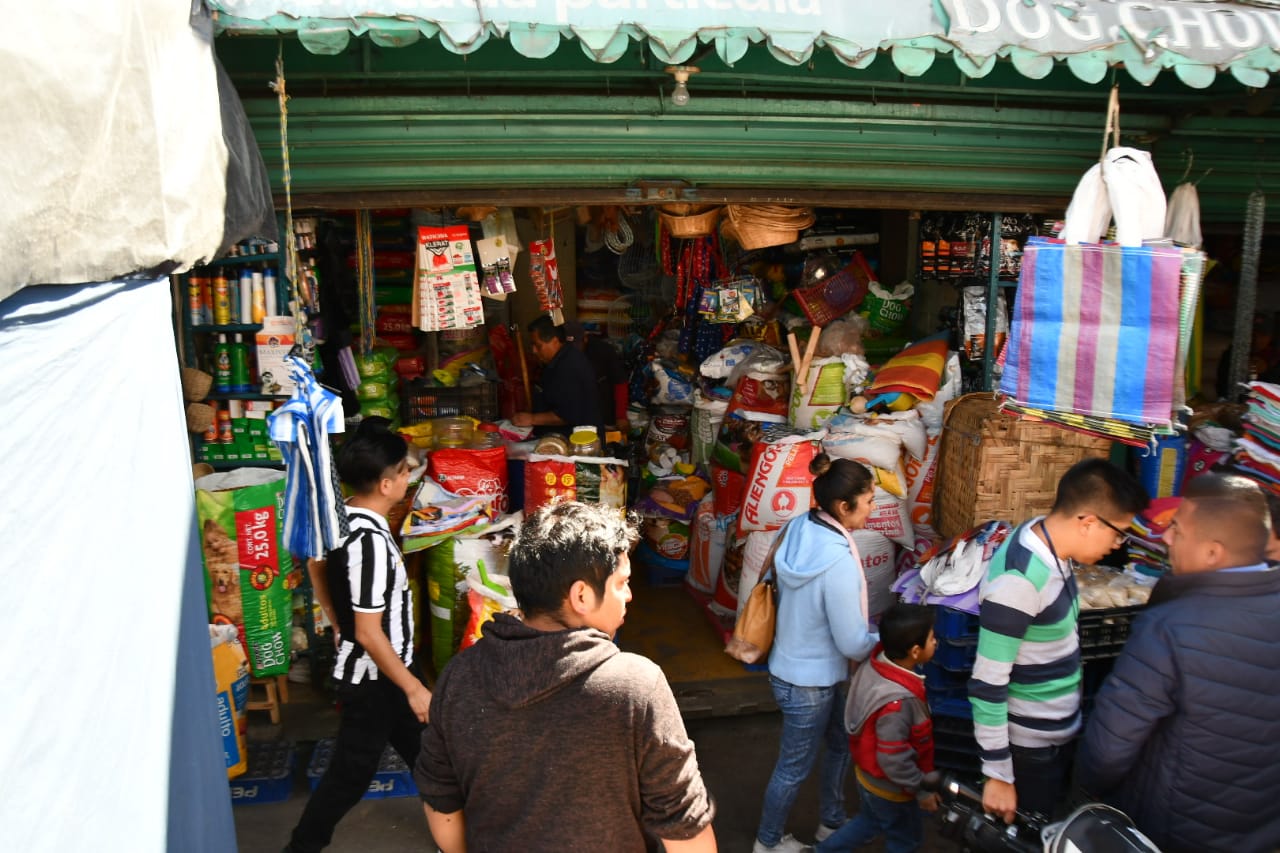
{"type": "Point", "coordinates": [753, 633]}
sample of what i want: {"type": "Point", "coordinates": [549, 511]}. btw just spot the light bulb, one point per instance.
{"type": "Point", "coordinates": [680, 94]}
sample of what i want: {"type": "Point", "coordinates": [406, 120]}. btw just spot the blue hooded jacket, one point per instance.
{"type": "Point", "coordinates": [821, 624]}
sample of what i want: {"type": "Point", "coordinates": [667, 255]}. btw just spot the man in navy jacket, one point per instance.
{"type": "Point", "coordinates": [1185, 733]}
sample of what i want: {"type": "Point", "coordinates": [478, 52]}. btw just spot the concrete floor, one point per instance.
{"type": "Point", "coordinates": [729, 713]}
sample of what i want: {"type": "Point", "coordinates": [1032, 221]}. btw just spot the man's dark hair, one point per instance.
{"type": "Point", "coordinates": [1098, 487]}
{"type": "Point", "coordinates": [1232, 509]}
{"type": "Point", "coordinates": [365, 456]}
{"type": "Point", "coordinates": [546, 330]}
{"type": "Point", "coordinates": [903, 626]}
{"type": "Point", "coordinates": [561, 544]}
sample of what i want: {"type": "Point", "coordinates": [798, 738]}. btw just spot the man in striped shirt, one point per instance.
{"type": "Point", "coordinates": [368, 598]}
{"type": "Point", "coordinates": [1025, 689]}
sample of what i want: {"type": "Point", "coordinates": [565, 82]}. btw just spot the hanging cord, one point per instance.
{"type": "Point", "coordinates": [364, 280]}
{"type": "Point", "coordinates": [1246, 292]}
{"type": "Point", "coordinates": [291, 264]}
{"type": "Point", "coordinates": [1113, 122]}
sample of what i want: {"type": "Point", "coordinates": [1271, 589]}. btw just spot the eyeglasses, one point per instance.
{"type": "Point", "coordinates": [1125, 536]}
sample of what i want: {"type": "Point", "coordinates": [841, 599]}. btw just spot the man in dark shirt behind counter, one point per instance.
{"type": "Point", "coordinates": [565, 396]}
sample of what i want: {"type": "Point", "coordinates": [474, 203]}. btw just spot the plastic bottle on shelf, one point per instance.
{"type": "Point", "coordinates": [221, 301]}
{"type": "Point", "coordinates": [246, 296]}
{"type": "Point", "coordinates": [195, 307]}
{"type": "Point", "coordinates": [225, 433]}
{"type": "Point", "coordinates": [259, 291]}
{"type": "Point", "coordinates": [211, 434]}
{"type": "Point", "coordinates": [239, 365]}
{"type": "Point", "coordinates": [222, 365]}
{"type": "Point", "coordinates": [272, 295]}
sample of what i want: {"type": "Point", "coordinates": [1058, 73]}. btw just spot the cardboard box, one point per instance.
{"type": "Point", "coordinates": [274, 340]}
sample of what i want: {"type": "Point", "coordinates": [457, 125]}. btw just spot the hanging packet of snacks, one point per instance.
{"type": "Point", "coordinates": [448, 288]}
{"type": "Point", "coordinates": [545, 272]}
{"type": "Point", "coordinates": [495, 263]}
{"type": "Point", "coordinates": [974, 320]}
{"type": "Point", "coordinates": [729, 301]}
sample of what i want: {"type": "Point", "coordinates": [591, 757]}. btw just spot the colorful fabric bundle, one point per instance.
{"type": "Point", "coordinates": [917, 370]}
{"type": "Point", "coordinates": [1147, 550]}
{"type": "Point", "coordinates": [1258, 450]}
{"type": "Point", "coordinates": [1125, 433]}
{"type": "Point", "coordinates": [1095, 330]}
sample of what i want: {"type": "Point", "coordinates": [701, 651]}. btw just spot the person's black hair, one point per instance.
{"type": "Point", "coordinates": [561, 544]}
{"type": "Point", "coordinates": [546, 330]}
{"type": "Point", "coordinates": [903, 626]}
{"type": "Point", "coordinates": [1097, 487]}
{"type": "Point", "coordinates": [838, 480]}
{"type": "Point", "coordinates": [365, 457]}
{"type": "Point", "coordinates": [1233, 509]}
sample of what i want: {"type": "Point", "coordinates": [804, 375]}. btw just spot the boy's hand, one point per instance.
{"type": "Point", "coordinates": [929, 802]}
{"type": "Point", "coordinates": [1000, 798]}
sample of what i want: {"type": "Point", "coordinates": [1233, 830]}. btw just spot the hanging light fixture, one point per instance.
{"type": "Point", "coordinates": [680, 94]}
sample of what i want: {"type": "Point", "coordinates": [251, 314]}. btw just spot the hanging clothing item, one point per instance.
{"type": "Point", "coordinates": [1124, 185]}
{"type": "Point", "coordinates": [315, 519]}
{"type": "Point", "coordinates": [1182, 220]}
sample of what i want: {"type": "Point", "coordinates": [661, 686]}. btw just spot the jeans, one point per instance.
{"type": "Point", "coordinates": [899, 823]}
{"type": "Point", "coordinates": [1040, 777]}
{"type": "Point", "coordinates": [812, 718]}
{"type": "Point", "coordinates": [374, 713]}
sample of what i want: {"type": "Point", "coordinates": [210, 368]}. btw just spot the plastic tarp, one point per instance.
{"type": "Point", "coordinates": [1194, 39]}
{"type": "Point", "coordinates": [112, 157]}
{"type": "Point", "coordinates": [110, 736]}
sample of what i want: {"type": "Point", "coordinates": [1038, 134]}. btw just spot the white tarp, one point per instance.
{"type": "Point", "coordinates": [111, 152]}
{"type": "Point", "coordinates": [109, 735]}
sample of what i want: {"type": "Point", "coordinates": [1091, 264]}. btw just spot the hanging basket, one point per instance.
{"type": "Point", "coordinates": [692, 225]}
{"type": "Point", "coordinates": [758, 226]}
{"type": "Point", "coordinates": [199, 417]}
{"type": "Point", "coordinates": [195, 384]}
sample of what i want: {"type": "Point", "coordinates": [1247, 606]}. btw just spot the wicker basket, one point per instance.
{"type": "Point", "coordinates": [195, 384]}
{"type": "Point", "coordinates": [199, 417]}
{"type": "Point", "coordinates": [992, 465]}
{"type": "Point", "coordinates": [694, 225]}
{"type": "Point", "coordinates": [758, 226]}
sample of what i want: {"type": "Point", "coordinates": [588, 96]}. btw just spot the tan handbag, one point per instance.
{"type": "Point", "coordinates": [753, 633]}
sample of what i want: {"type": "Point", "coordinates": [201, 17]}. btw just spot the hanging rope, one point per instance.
{"type": "Point", "coordinates": [364, 280]}
{"type": "Point", "coordinates": [1246, 292]}
{"type": "Point", "coordinates": [291, 264]}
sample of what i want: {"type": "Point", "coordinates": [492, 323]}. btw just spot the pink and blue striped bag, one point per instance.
{"type": "Point", "coordinates": [1095, 330]}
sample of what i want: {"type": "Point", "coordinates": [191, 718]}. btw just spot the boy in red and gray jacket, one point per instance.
{"type": "Point", "coordinates": [891, 736]}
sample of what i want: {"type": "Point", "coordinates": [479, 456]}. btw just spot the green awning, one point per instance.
{"type": "Point", "coordinates": [1197, 40]}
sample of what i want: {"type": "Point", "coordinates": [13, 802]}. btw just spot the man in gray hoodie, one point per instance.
{"type": "Point", "coordinates": [544, 736]}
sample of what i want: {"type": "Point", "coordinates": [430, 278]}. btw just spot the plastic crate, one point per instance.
{"type": "Point", "coordinates": [269, 776]}
{"type": "Point", "coordinates": [420, 402]}
{"type": "Point", "coordinates": [1103, 632]}
{"type": "Point", "coordinates": [660, 570]}
{"type": "Point", "coordinates": [947, 692]}
{"type": "Point", "coordinates": [953, 624]}
{"type": "Point", "coordinates": [956, 656]}
{"type": "Point", "coordinates": [393, 779]}
{"type": "Point", "coordinates": [954, 746]}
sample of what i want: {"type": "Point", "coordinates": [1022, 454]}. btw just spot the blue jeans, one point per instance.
{"type": "Point", "coordinates": [899, 823]}
{"type": "Point", "coordinates": [812, 718]}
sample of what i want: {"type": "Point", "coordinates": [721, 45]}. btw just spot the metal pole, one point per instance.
{"type": "Point", "coordinates": [993, 305]}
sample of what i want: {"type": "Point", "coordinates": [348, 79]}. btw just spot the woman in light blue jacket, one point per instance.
{"type": "Point", "coordinates": [822, 625]}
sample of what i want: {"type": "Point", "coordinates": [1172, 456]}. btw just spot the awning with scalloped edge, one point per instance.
{"type": "Point", "coordinates": [1195, 39]}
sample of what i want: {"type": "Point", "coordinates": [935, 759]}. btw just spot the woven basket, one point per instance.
{"type": "Point", "coordinates": [758, 226]}
{"type": "Point", "coordinates": [694, 225]}
{"type": "Point", "coordinates": [992, 465]}
{"type": "Point", "coordinates": [199, 417]}
{"type": "Point", "coordinates": [195, 384]}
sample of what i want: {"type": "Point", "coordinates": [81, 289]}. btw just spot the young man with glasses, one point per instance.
{"type": "Point", "coordinates": [1025, 689]}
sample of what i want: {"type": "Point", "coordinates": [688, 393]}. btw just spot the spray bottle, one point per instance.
{"type": "Point", "coordinates": [239, 357]}
{"type": "Point", "coordinates": [222, 365]}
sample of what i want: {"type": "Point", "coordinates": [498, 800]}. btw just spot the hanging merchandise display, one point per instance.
{"type": "Point", "coordinates": [544, 269]}
{"type": "Point", "coordinates": [495, 263]}
{"type": "Point", "coordinates": [448, 290]}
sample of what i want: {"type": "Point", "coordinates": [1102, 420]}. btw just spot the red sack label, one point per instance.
{"type": "Point", "coordinates": [547, 481]}
{"type": "Point", "coordinates": [780, 486]}
{"type": "Point", "coordinates": [765, 393]}
{"type": "Point", "coordinates": [464, 471]}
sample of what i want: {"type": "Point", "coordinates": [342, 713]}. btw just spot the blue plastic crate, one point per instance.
{"type": "Point", "coordinates": [952, 624]}
{"type": "Point", "coordinates": [947, 692]}
{"type": "Point", "coordinates": [393, 779]}
{"type": "Point", "coordinates": [956, 656]}
{"type": "Point", "coordinates": [269, 776]}
{"type": "Point", "coordinates": [660, 570]}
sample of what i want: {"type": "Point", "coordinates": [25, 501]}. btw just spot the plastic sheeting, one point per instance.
{"type": "Point", "coordinates": [112, 158]}
{"type": "Point", "coordinates": [110, 736]}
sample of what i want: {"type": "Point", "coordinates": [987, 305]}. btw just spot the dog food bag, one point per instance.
{"type": "Point", "coordinates": [249, 575]}
{"type": "Point", "coordinates": [231, 675]}
{"type": "Point", "coordinates": [548, 479]}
